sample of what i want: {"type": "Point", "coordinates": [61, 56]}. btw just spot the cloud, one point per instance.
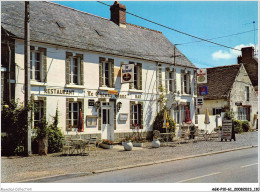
{"type": "Point", "coordinates": [231, 54]}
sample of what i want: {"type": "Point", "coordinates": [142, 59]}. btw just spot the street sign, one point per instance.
{"type": "Point", "coordinates": [200, 101]}
{"type": "Point", "coordinates": [203, 90]}
{"type": "Point", "coordinates": [127, 73]}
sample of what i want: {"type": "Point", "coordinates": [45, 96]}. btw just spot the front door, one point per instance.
{"type": "Point", "coordinates": [107, 121]}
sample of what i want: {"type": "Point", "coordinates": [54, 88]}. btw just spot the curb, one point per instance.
{"type": "Point", "coordinates": [73, 175]}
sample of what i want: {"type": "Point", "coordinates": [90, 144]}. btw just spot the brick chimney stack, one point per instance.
{"type": "Point", "coordinates": [118, 14]}
{"type": "Point", "coordinates": [247, 52]}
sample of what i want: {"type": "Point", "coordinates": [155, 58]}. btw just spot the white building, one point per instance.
{"type": "Point", "coordinates": [76, 63]}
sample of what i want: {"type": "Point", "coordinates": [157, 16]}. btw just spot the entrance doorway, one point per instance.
{"type": "Point", "coordinates": [107, 117]}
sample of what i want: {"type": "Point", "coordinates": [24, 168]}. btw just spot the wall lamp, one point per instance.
{"type": "Point", "coordinates": [119, 106]}
{"type": "Point", "coordinates": [97, 104]}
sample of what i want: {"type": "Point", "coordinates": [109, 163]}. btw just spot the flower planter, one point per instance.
{"type": "Point", "coordinates": [128, 145]}
{"type": "Point", "coordinates": [137, 144]}
{"type": "Point", "coordinates": [156, 143]}
{"type": "Point", "coordinates": [105, 146]}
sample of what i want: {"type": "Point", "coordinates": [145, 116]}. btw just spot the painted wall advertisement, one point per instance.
{"type": "Point", "coordinates": [201, 76]}
{"type": "Point", "coordinates": [127, 72]}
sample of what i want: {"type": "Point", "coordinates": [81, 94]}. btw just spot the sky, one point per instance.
{"type": "Point", "coordinates": [204, 19]}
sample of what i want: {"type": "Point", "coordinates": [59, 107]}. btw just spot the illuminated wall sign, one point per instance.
{"type": "Point", "coordinates": [127, 73]}
{"type": "Point", "coordinates": [201, 76]}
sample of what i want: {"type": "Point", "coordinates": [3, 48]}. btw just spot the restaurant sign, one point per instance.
{"type": "Point", "coordinates": [201, 76]}
{"type": "Point", "coordinates": [127, 73]}
{"type": "Point", "coordinates": [226, 129]}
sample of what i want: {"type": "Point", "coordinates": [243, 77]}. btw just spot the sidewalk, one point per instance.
{"type": "Point", "coordinates": [15, 169]}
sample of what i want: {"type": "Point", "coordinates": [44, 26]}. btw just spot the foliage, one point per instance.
{"type": "Point", "coordinates": [158, 122]}
{"type": "Point", "coordinates": [238, 126]}
{"type": "Point", "coordinates": [245, 126]}
{"type": "Point", "coordinates": [107, 141]}
{"type": "Point", "coordinates": [162, 99]}
{"type": "Point", "coordinates": [55, 135]}
{"type": "Point", "coordinates": [42, 129]}
{"type": "Point", "coordinates": [229, 114]}
{"type": "Point", "coordinates": [127, 138]}
{"type": "Point", "coordinates": [14, 122]}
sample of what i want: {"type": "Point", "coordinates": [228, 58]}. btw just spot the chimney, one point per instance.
{"type": "Point", "coordinates": [247, 52]}
{"type": "Point", "coordinates": [239, 59]}
{"type": "Point", "coordinates": [118, 11]}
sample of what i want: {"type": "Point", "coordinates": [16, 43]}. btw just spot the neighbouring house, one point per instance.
{"type": "Point", "coordinates": [229, 88]}
{"type": "Point", "coordinates": [76, 62]}
{"type": "Point", "coordinates": [250, 62]}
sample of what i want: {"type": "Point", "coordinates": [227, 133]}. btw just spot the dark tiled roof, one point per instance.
{"type": "Point", "coordinates": [220, 81]}
{"type": "Point", "coordinates": [89, 32]}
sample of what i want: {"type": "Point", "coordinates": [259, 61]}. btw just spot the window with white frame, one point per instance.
{"type": "Point", "coordinates": [73, 113]}
{"type": "Point", "coordinates": [74, 73]}
{"type": "Point", "coordinates": [136, 115]}
{"type": "Point", "coordinates": [36, 65]}
{"type": "Point", "coordinates": [38, 112]}
{"type": "Point", "coordinates": [137, 76]}
{"type": "Point", "coordinates": [169, 81]}
{"type": "Point", "coordinates": [243, 113]}
{"type": "Point", "coordinates": [180, 113]}
{"type": "Point", "coordinates": [185, 83]}
{"type": "Point", "coordinates": [106, 73]}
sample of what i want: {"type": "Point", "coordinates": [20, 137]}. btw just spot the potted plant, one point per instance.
{"type": "Point", "coordinates": [156, 143]}
{"type": "Point", "coordinates": [106, 144]}
{"type": "Point", "coordinates": [42, 132]}
{"type": "Point", "coordinates": [127, 143]}
{"type": "Point", "coordinates": [138, 141]}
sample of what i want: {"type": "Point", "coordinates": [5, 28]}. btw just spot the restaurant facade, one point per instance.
{"type": "Point", "coordinates": [76, 67]}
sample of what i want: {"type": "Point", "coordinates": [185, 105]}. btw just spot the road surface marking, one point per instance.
{"type": "Point", "coordinates": [249, 165]}
{"type": "Point", "coordinates": [198, 177]}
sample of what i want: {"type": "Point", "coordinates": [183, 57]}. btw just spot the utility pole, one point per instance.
{"type": "Point", "coordinates": [27, 87]}
{"type": "Point", "coordinates": [254, 37]}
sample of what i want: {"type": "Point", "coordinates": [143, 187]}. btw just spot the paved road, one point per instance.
{"type": "Point", "coordinates": [231, 167]}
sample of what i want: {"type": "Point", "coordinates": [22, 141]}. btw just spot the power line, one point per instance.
{"type": "Point", "coordinates": [218, 37]}
{"type": "Point", "coordinates": [174, 29]}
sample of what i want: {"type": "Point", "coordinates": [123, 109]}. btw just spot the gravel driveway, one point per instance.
{"type": "Point", "coordinates": [15, 169]}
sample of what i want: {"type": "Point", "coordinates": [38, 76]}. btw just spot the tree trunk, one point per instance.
{"type": "Point", "coordinates": [43, 146]}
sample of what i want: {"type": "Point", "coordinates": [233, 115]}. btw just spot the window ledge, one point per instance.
{"type": "Point", "coordinates": [185, 94]}
{"type": "Point", "coordinates": [37, 83]}
{"type": "Point", "coordinates": [75, 86]}
{"type": "Point", "coordinates": [136, 90]}
{"type": "Point", "coordinates": [106, 88]}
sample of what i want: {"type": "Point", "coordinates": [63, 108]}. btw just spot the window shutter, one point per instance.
{"type": "Point", "coordinates": [189, 77]}
{"type": "Point", "coordinates": [167, 70]}
{"type": "Point", "coordinates": [44, 64]}
{"type": "Point", "coordinates": [99, 118]}
{"type": "Point", "coordinates": [131, 114]}
{"type": "Point", "coordinates": [182, 81]}
{"type": "Point", "coordinates": [80, 56]}
{"type": "Point", "coordinates": [68, 100]}
{"type": "Point", "coordinates": [175, 83]}
{"type": "Point", "coordinates": [111, 73]}
{"type": "Point", "coordinates": [68, 55]}
{"type": "Point", "coordinates": [141, 113]}
{"type": "Point", "coordinates": [131, 85]}
{"type": "Point", "coordinates": [114, 100]}
{"type": "Point", "coordinates": [101, 60]}
{"type": "Point", "coordinates": [139, 76]}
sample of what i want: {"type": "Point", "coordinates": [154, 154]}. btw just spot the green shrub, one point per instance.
{"type": "Point", "coordinates": [229, 115]}
{"type": "Point", "coordinates": [55, 135]}
{"type": "Point", "coordinates": [14, 122]}
{"type": "Point", "coordinates": [158, 123]}
{"type": "Point", "coordinates": [245, 126]}
{"type": "Point", "coordinates": [238, 126]}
